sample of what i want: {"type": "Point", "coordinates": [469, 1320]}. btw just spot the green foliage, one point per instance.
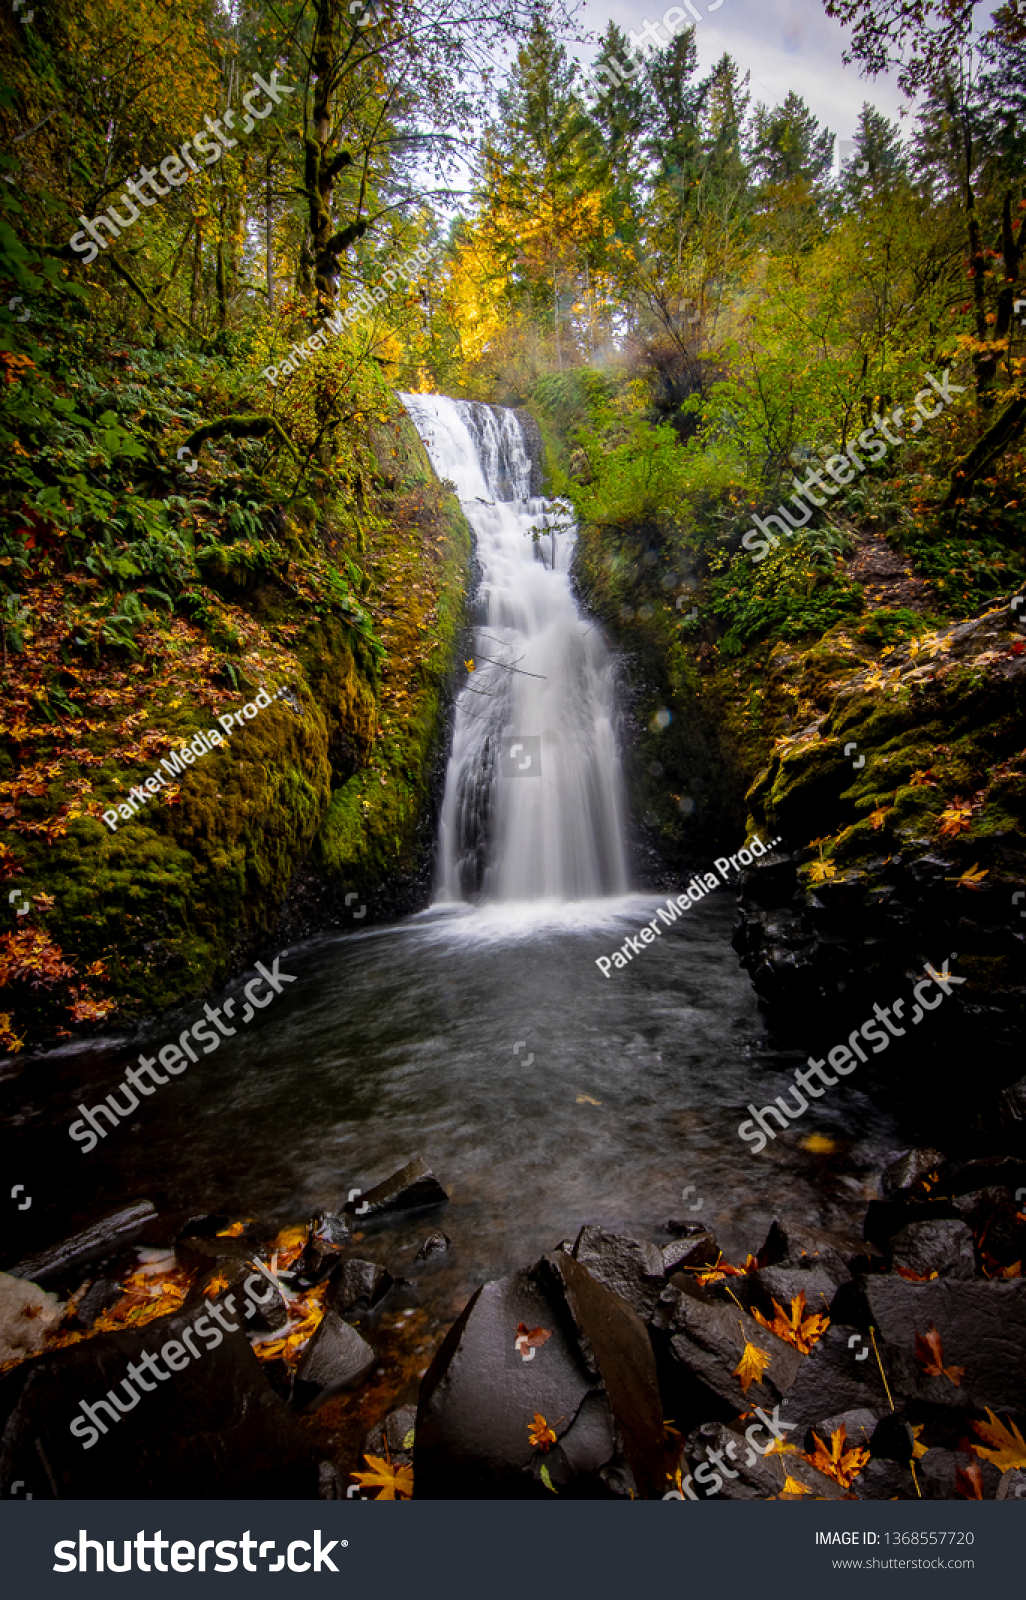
{"type": "Point", "coordinates": [787, 595]}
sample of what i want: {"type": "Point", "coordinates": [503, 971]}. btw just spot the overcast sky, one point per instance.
{"type": "Point", "coordinates": [784, 44]}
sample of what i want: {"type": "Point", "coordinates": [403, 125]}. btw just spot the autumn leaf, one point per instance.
{"type": "Point", "coordinates": [930, 1355]}
{"type": "Point", "coordinates": [838, 1463]}
{"type": "Point", "coordinates": [546, 1478]}
{"type": "Point", "coordinates": [395, 1483]}
{"type": "Point", "coordinates": [879, 816]}
{"type": "Point", "coordinates": [530, 1339]}
{"type": "Point", "coordinates": [821, 871]}
{"type": "Point", "coordinates": [922, 779]}
{"type": "Point", "coordinates": [792, 1486]}
{"type": "Point", "coordinates": [1004, 1446]}
{"type": "Point", "coordinates": [469, 665]}
{"type": "Point", "coordinates": [917, 1448]}
{"type": "Point", "coordinates": [956, 818]}
{"type": "Point", "coordinates": [752, 1365]}
{"type": "Point", "coordinates": [798, 1330]}
{"type": "Point", "coordinates": [973, 875]}
{"type": "Point", "coordinates": [969, 1482]}
{"type": "Point", "coordinates": [539, 1434]}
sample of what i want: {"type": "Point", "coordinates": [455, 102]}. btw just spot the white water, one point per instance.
{"type": "Point", "coordinates": [504, 837]}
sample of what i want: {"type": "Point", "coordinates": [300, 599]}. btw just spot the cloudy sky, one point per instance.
{"type": "Point", "coordinates": [784, 44]}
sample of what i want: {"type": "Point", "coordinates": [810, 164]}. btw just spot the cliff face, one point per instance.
{"type": "Point", "coordinates": [324, 791]}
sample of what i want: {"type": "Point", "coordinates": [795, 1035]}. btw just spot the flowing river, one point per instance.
{"type": "Point", "coordinates": [480, 1032]}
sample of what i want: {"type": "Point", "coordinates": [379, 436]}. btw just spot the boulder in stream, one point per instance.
{"type": "Point", "coordinates": [357, 1285]}
{"type": "Point", "coordinates": [100, 1239]}
{"type": "Point", "coordinates": [210, 1429]}
{"type": "Point", "coordinates": [413, 1188]}
{"type": "Point", "coordinates": [583, 1404]}
{"type": "Point", "coordinates": [336, 1358]}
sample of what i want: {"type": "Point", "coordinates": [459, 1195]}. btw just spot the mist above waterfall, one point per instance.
{"type": "Point", "coordinates": [533, 805]}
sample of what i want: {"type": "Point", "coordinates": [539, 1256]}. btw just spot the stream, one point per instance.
{"type": "Point", "coordinates": [480, 1033]}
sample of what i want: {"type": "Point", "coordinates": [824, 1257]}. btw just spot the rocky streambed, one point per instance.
{"type": "Point", "coordinates": [826, 1365]}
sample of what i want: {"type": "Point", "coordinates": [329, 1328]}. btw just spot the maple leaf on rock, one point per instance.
{"type": "Point", "coordinates": [838, 1463]}
{"type": "Point", "coordinates": [930, 1355]}
{"type": "Point", "coordinates": [1004, 1446]}
{"type": "Point", "coordinates": [395, 1483]}
{"type": "Point", "coordinates": [530, 1339]}
{"type": "Point", "coordinates": [821, 871]}
{"type": "Point", "coordinates": [539, 1434]}
{"type": "Point", "coordinates": [797, 1329]}
{"type": "Point", "coordinates": [752, 1365]}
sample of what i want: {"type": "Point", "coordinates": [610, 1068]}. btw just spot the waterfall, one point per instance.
{"type": "Point", "coordinates": [533, 803]}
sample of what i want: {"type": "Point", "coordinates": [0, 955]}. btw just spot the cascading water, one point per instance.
{"type": "Point", "coordinates": [542, 821]}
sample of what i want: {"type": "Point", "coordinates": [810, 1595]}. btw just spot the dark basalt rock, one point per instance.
{"type": "Point", "coordinates": [1012, 1485]}
{"type": "Point", "coordinates": [632, 1268]}
{"type": "Point", "coordinates": [783, 1285]}
{"type": "Point", "coordinates": [982, 1325]}
{"type": "Point", "coordinates": [100, 1239]}
{"type": "Point", "coordinates": [943, 1247]}
{"type": "Point", "coordinates": [885, 1218]}
{"type": "Point", "coordinates": [198, 1254]}
{"type": "Point", "coordinates": [413, 1188]}
{"type": "Point", "coordinates": [357, 1286]}
{"type": "Point", "coordinates": [336, 1358]}
{"type": "Point", "coordinates": [884, 1480]}
{"type": "Point", "coordinates": [594, 1381]}
{"type": "Point", "coordinates": [756, 1476]}
{"type": "Point", "coordinates": [393, 1433]}
{"type": "Point", "coordinates": [318, 1259]}
{"type": "Point", "coordinates": [697, 1249]}
{"type": "Point", "coordinates": [701, 1347]}
{"type": "Point", "coordinates": [213, 1430]}
{"type": "Point", "coordinates": [906, 1173]}
{"type": "Point", "coordinates": [860, 1427]}
{"type": "Point", "coordinates": [793, 1244]}
{"type": "Point", "coordinates": [938, 1474]}
{"type": "Point", "coordinates": [261, 1308]}
{"type": "Point", "coordinates": [832, 1380]}
{"type": "Point", "coordinates": [436, 1244]}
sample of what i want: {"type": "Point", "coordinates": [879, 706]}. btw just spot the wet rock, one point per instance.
{"type": "Point", "coordinates": [983, 1172]}
{"type": "Point", "coordinates": [319, 1258]}
{"type": "Point", "coordinates": [938, 1473]}
{"type": "Point", "coordinates": [884, 1480]}
{"type": "Point", "coordinates": [329, 1482]}
{"type": "Point", "coordinates": [197, 1254]}
{"type": "Point", "coordinates": [336, 1358]}
{"type": "Point", "coordinates": [248, 1295]}
{"type": "Point", "coordinates": [697, 1249]}
{"type": "Point", "coordinates": [632, 1268]}
{"type": "Point", "coordinates": [210, 1430]}
{"type": "Point", "coordinates": [793, 1244]}
{"type": "Point", "coordinates": [101, 1239]}
{"type": "Point", "coordinates": [859, 1424]}
{"type": "Point", "coordinates": [394, 1437]}
{"type": "Point", "coordinates": [436, 1244]}
{"type": "Point", "coordinates": [98, 1298]}
{"type": "Point", "coordinates": [413, 1188]}
{"type": "Point", "coordinates": [906, 1173]}
{"type": "Point", "coordinates": [885, 1218]}
{"type": "Point", "coordinates": [784, 1284]}
{"type": "Point", "coordinates": [833, 1380]}
{"type": "Point", "coordinates": [1012, 1485]}
{"type": "Point", "coordinates": [163, 1229]}
{"type": "Point", "coordinates": [724, 1466]}
{"type": "Point", "coordinates": [982, 1325]}
{"type": "Point", "coordinates": [594, 1381]}
{"type": "Point", "coordinates": [26, 1313]}
{"type": "Point", "coordinates": [357, 1286]}
{"type": "Point", "coordinates": [944, 1247]}
{"type": "Point", "coordinates": [702, 1346]}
